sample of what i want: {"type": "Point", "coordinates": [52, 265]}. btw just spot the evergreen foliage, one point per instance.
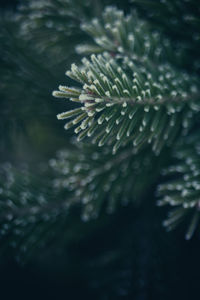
{"type": "Point", "coordinates": [97, 179]}
{"type": "Point", "coordinates": [132, 93]}
{"type": "Point", "coordinates": [134, 101]}
{"type": "Point", "coordinates": [182, 190]}
{"type": "Point", "coordinates": [142, 98]}
{"type": "Point", "coordinates": [32, 211]}
{"type": "Point", "coordinates": [179, 22]}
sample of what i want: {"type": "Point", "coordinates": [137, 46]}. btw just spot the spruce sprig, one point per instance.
{"type": "Point", "coordinates": [101, 181]}
{"type": "Point", "coordinates": [123, 103]}
{"type": "Point", "coordinates": [182, 189]}
{"type": "Point", "coordinates": [32, 213]}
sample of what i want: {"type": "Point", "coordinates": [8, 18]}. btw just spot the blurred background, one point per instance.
{"type": "Point", "coordinates": [124, 256]}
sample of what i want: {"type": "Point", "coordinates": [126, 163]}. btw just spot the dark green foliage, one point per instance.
{"type": "Point", "coordinates": [100, 180]}
{"type": "Point", "coordinates": [32, 212]}
{"type": "Point", "coordinates": [137, 91]}
{"type": "Point", "coordinates": [128, 103]}
{"type": "Point", "coordinates": [180, 21]}
{"type": "Point", "coordinates": [182, 190]}
{"type": "Point", "coordinates": [134, 93]}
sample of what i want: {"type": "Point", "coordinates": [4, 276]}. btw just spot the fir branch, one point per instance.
{"type": "Point", "coordinates": [179, 21]}
{"type": "Point", "coordinates": [102, 181]}
{"type": "Point", "coordinates": [123, 103]}
{"type": "Point", "coordinates": [128, 35]}
{"type": "Point", "coordinates": [183, 189]}
{"type": "Point", "coordinates": [32, 213]}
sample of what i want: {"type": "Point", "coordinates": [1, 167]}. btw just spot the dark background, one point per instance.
{"type": "Point", "coordinates": [111, 263]}
{"type": "Point", "coordinates": [11, 4]}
